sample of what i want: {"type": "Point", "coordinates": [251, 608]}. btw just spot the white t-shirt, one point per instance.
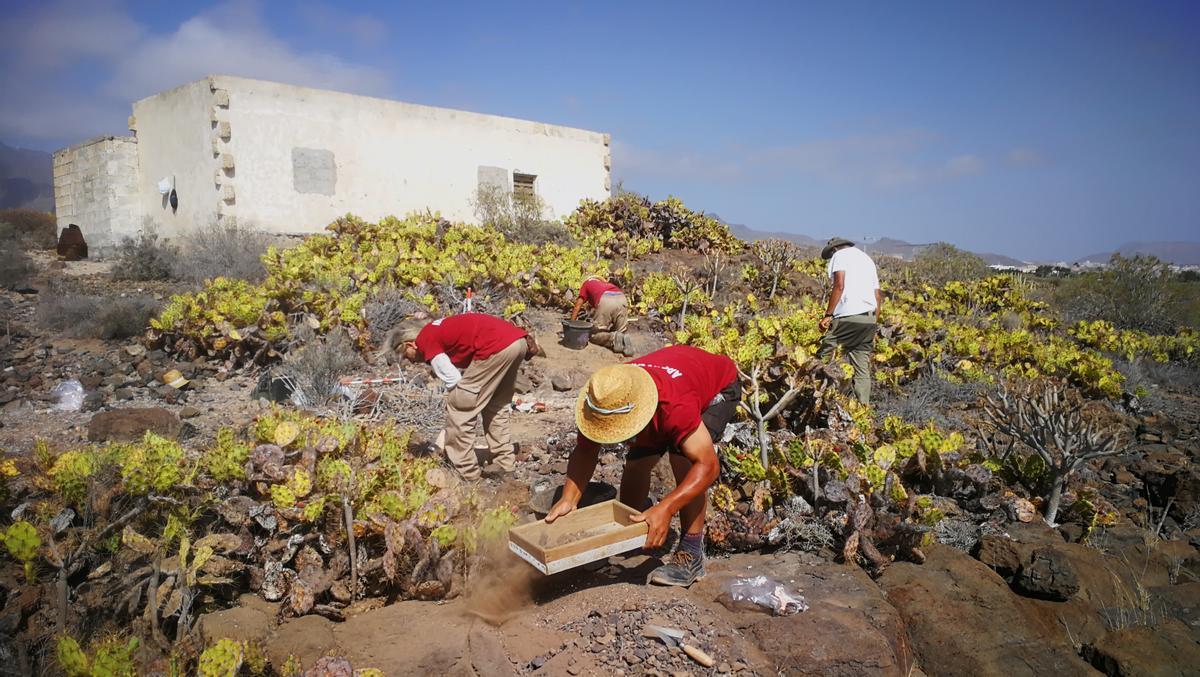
{"type": "Point", "coordinates": [862, 280]}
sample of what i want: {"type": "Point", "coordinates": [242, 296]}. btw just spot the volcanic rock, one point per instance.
{"type": "Point", "coordinates": [127, 425]}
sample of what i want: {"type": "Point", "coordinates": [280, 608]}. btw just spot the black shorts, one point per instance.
{"type": "Point", "coordinates": [715, 416]}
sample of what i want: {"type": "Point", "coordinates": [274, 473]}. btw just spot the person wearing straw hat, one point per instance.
{"type": "Point", "coordinates": [850, 314]}
{"type": "Point", "coordinates": [611, 316]}
{"type": "Point", "coordinates": [477, 357]}
{"type": "Point", "coordinates": [678, 401]}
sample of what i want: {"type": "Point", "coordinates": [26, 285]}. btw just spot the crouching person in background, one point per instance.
{"type": "Point", "coordinates": [676, 401]}
{"type": "Point", "coordinates": [478, 357]}
{"type": "Point", "coordinates": [611, 317]}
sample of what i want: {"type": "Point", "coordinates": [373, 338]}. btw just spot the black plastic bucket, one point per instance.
{"type": "Point", "coordinates": [576, 334]}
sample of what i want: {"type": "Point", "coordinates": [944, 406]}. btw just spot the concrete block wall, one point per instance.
{"type": "Point", "coordinates": [287, 159]}
{"type": "Point", "coordinates": [305, 157]}
{"type": "Point", "coordinates": [96, 187]}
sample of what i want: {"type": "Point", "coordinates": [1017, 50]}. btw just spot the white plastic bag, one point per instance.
{"type": "Point", "coordinates": [769, 593]}
{"type": "Point", "coordinates": [69, 394]}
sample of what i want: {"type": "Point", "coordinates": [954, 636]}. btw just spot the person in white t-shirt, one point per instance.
{"type": "Point", "coordinates": [854, 303]}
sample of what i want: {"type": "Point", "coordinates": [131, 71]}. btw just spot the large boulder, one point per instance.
{"type": "Point", "coordinates": [71, 245]}
{"type": "Point", "coordinates": [848, 629]}
{"type": "Point", "coordinates": [1047, 575]}
{"type": "Point", "coordinates": [964, 620]}
{"type": "Point", "coordinates": [127, 425]}
{"type": "Point", "coordinates": [1170, 477]}
{"type": "Point", "coordinates": [1168, 648]}
{"type": "Point", "coordinates": [1007, 552]}
{"type": "Point", "coordinates": [307, 638]}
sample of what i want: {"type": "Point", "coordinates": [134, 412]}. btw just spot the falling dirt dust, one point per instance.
{"type": "Point", "coordinates": [503, 590]}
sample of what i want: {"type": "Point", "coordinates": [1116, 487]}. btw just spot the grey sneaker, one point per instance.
{"type": "Point", "coordinates": [683, 570]}
{"type": "Point", "coordinates": [626, 346]}
{"type": "Point", "coordinates": [618, 344]}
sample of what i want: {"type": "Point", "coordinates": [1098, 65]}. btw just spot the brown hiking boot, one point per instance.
{"type": "Point", "coordinates": [683, 570]}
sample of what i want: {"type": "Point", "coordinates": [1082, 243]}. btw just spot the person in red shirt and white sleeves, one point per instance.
{"type": "Point", "coordinates": [611, 317]}
{"type": "Point", "coordinates": [477, 356]}
{"type": "Point", "coordinates": [677, 400]}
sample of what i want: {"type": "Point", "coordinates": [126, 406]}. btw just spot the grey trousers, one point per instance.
{"type": "Point", "coordinates": [855, 335]}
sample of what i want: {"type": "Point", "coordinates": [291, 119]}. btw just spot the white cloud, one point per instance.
{"type": "Point", "coordinates": [882, 160]}
{"type": "Point", "coordinates": [49, 35]}
{"type": "Point", "coordinates": [962, 165]}
{"type": "Point", "coordinates": [1023, 157]}
{"type": "Point", "coordinates": [637, 161]}
{"type": "Point", "coordinates": [208, 45]}
{"type": "Point", "coordinates": [50, 77]}
{"type": "Point", "coordinates": [329, 19]}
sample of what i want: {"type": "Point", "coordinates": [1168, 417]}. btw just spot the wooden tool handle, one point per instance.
{"type": "Point", "coordinates": [698, 655]}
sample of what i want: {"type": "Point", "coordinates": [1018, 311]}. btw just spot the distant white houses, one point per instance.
{"type": "Point", "coordinates": [1024, 268]}
{"type": "Point", "coordinates": [289, 159]}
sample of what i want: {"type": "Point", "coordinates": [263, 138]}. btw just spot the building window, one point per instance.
{"type": "Point", "coordinates": [523, 186]}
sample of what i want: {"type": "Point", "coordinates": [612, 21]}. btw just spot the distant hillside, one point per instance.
{"type": "Point", "coordinates": [1178, 253]}
{"type": "Point", "coordinates": [26, 178]}
{"type": "Point", "coordinates": [885, 246]}
{"type": "Point", "coordinates": [750, 235]}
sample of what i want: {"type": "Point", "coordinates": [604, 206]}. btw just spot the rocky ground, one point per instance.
{"type": "Point", "coordinates": [1024, 599]}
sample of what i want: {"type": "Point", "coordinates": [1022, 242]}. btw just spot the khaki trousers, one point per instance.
{"type": "Point", "coordinates": [856, 336]}
{"type": "Point", "coordinates": [485, 391]}
{"type": "Point", "coordinates": [611, 318]}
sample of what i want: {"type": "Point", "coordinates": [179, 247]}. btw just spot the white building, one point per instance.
{"type": "Point", "coordinates": [288, 159]}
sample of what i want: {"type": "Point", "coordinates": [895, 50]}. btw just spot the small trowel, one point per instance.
{"type": "Point", "coordinates": [672, 637]}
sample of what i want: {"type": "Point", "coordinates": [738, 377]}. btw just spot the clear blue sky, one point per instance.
{"type": "Point", "coordinates": [1038, 129]}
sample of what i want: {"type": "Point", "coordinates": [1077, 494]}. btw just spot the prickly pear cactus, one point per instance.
{"type": "Point", "coordinates": [22, 541]}
{"type": "Point", "coordinates": [226, 460]}
{"type": "Point", "coordinates": [222, 659]}
{"type": "Point", "coordinates": [8, 470]}
{"type": "Point", "coordinates": [71, 658]}
{"type": "Point", "coordinates": [72, 472]}
{"type": "Point", "coordinates": [722, 497]}
{"type": "Point", "coordinates": [291, 667]}
{"type": "Point", "coordinates": [256, 660]}
{"type": "Point", "coordinates": [298, 485]}
{"type": "Point", "coordinates": [115, 659]}
{"type": "Point", "coordinates": [154, 464]}
{"type": "Point", "coordinates": [313, 509]}
{"type": "Point", "coordinates": [445, 535]}
{"type": "Point", "coordinates": [283, 497]}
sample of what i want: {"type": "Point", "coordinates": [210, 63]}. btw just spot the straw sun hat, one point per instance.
{"type": "Point", "coordinates": [618, 401]}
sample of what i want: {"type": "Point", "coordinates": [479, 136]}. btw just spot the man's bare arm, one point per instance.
{"type": "Point", "coordinates": [835, 294]}
{"type": "Point", "coordinates": [580, 467]}
{"type": "Point", "coordinates": [578, 306]}
{"type": "Point", "coordinates": [698, 448]}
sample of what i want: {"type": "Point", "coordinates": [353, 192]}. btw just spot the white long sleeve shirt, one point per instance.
{"type": "Point", "coordinates": [444, 369]}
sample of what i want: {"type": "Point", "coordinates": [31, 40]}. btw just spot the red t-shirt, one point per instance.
{"type": "Point", "coordinates": [592, 290]}
{"type": "Point", "coordinates": [466, 337]}
{"type": "Point", "coordinates": [687, 379]}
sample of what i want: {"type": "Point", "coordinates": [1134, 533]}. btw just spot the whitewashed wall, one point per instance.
{"type": "Point", "coordinates": [292, 159]}
{"type": "Point", "coordinates": [176, 138]}
{"type": "Point", "coordinates": [303, 157]}
{"type": "Point", "coordinates": [95, 187]}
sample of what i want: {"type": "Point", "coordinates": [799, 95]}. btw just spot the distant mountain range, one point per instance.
{"type": "Point", "coordinates": [1178, 253]}
{"type": "Point", "coordinates": [884, 246]}
{"type": "Point", "coordinates": [26, 178]}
